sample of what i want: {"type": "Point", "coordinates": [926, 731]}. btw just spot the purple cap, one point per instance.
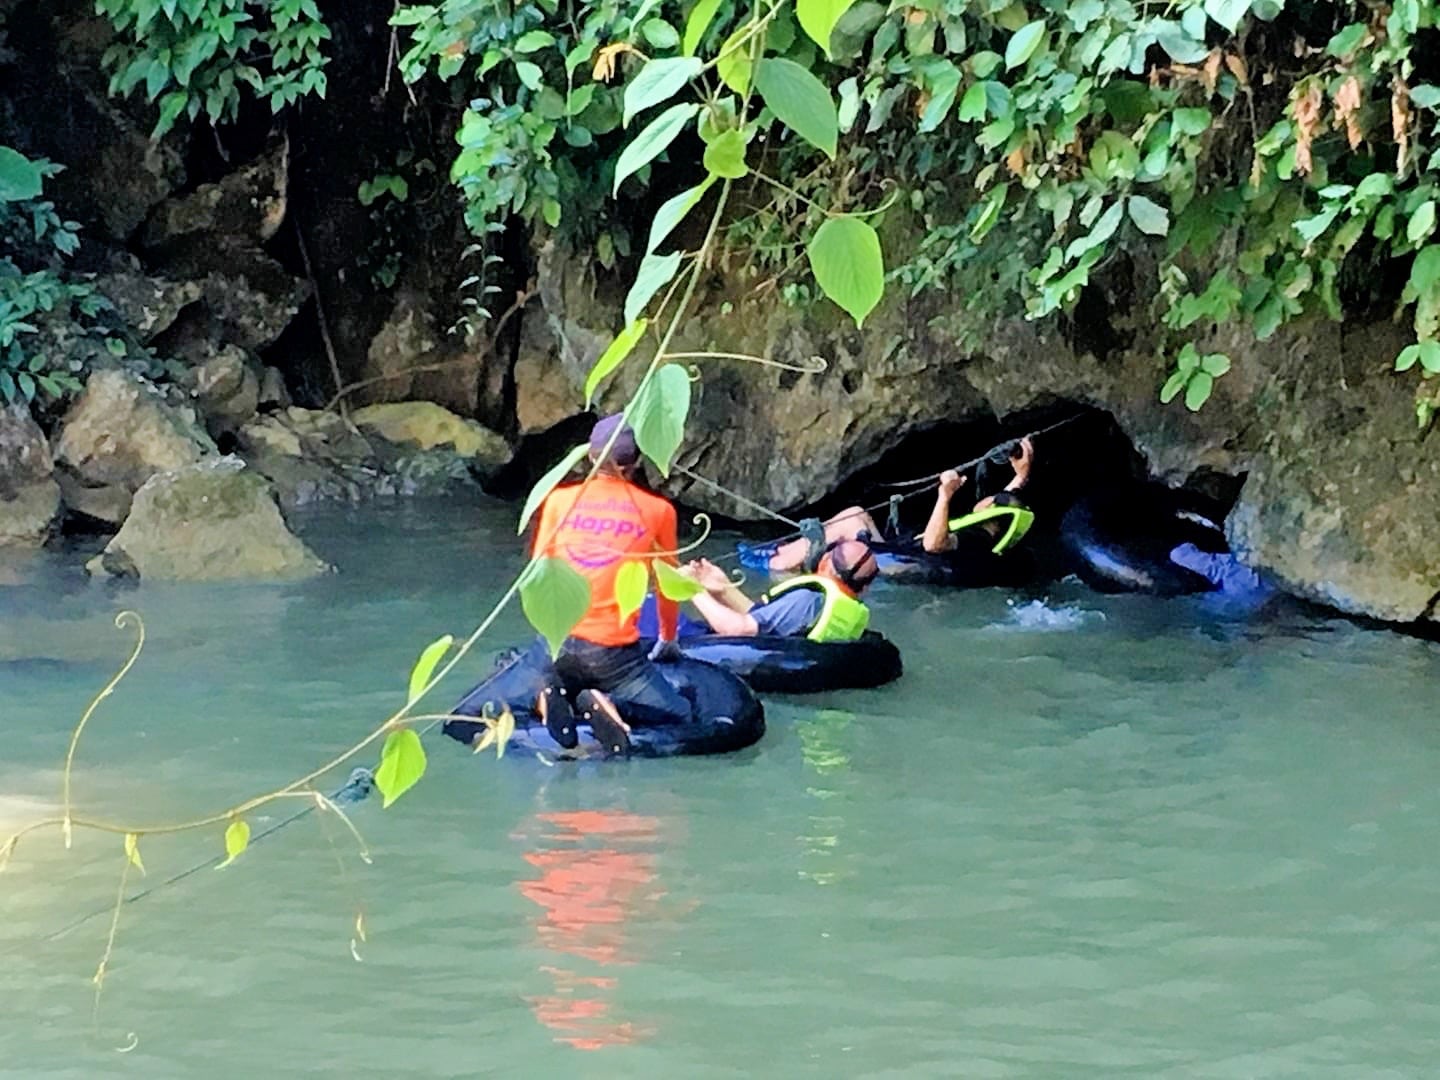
{"type": "Point", "coordinates": [625, 452]}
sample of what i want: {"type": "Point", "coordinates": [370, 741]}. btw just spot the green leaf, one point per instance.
{"type": "Point", "coordinates": [1311, 227]}
{"type": "Point", "coordinates": [656, 271]}
{"type": "Point", "coordinates": [554, 596]}
{"type": "Point", "coordinates": [984, 63]}
{"type": "Point", "coordinates": [725, 157]}
{"type": "Point", "coordinates": [1023, 44]}
{"type": "Point", "coordinates": [674, 585]}
{"type": "Point", "coordinates": [1189, 359]}
{"type": "Point", "coordinates": [696, 23]}
{"type": "Point", "coordinates": [1408, 355]}
{"type": "Point", "coordinates": [652, 141]}
{"type": "Point", "coordinates": [20, 178]}
{"type": "Point", "coordinates": [1430, 356]}
{"type": "Point", "coordinates": [658, 414]}
{"type": "Point", "coordinates": [972, 105]}
{"type": "Point", "coordinates": [1422, 222]}
{"type": "Point", "coordinates": [1197, 390]}
{"type": "Point", "coordinates": [1227, 13]}
{"type": "Point", "coordinates": [658, 81]}
{"type": "Point", "coordinates": [425, 666]}
{"type": "Point", "coordinates": [1190, 121]}
{"type": "Point", "coordinates": [672, 211]}
{"type": "Point", "coordinates": [1424, 273]}
{"type": "Point", "coordinates": [1347, 40]}
{"type": "Point", "coordinates": [534, 41]}
{"type": "Point", "coordinates": [1149, 217]}
{"type": "Point", "coordinates": [1374, 186]}
{"type": "Point", "coordinates": [1426, 95]}
{"type": "Point", "coordinates": [1173, 386]}
{"type": "Point", "coordinates": [944, 84]}
{"type": "Point", "coordinates": [631, 582]}
{"type": "Point", "coordinates": [818, 19]}
{"type": "Point", "coordinates": [1114, 157]}
{"type": "Point", "coordinates": [402, 763]}
{"type": "Point", "coordinates": [848, 265]}
{"type": "Point", "coordinates": [989, 213]}
{"type": "Point", "coordinates": [529, 73]}
{"type": "Point", "coordinates": [547, 483]}
{"type": "Point", "coordinates": [1215, 364]}
{"type": "Point", "coordinates": [733, 63]}
{"type": "Point", "coordinates": [849, 107]}
{"type": "Point", "coordinates": [800, 101]}
{"type": "Point", "coordinates": [613, 356]}
{"type": "Point", "coordinates": [132, 851]}
{"type": "Point", "coordinates": [171, 106]}
{"type": "Point", "coordinates": [237, 839]}
{"type": "Point", "coordinates": [660, 34]}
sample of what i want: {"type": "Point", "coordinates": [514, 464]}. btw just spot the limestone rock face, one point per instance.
{"type": "Point", "coordinates": [248, 204]}
{"type": "Point", "coordinates": [29, 498]}
{"type": "Point", "coordinates": [1341, 502]}
{"type": "Point", "coordinates": [105, 503]}
{"type": "Point", "coordinates": [227, 389]}
{"type": "Point", "coordinates": [426, 425]}
{"type": "Point", "coordinates": [206, 522]}
{"type": "Point", "coordinates": [121, 432]}
{"type": "Point", "coordinates": [24, 452]}
{"type": "Point", "coordinates": [27, 513]}
{"type": "Point", "coordinates": [148, 304]}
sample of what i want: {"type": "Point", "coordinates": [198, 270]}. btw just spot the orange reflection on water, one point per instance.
{"type": "Point", "coordinates": [589, 895]}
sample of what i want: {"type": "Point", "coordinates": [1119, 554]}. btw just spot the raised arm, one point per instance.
{"type": "Point", "coordinates": [937, 536]}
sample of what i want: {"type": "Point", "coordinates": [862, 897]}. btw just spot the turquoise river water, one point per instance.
{"type": "Point", "coordinates": [1082, 837]}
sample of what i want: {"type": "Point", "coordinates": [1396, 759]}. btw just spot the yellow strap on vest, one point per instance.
{"type": "Point", "coordinates": [1020, 521]}
{"type": "Point", "coordinates": [843, 618]}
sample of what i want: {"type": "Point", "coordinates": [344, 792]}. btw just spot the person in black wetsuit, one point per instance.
{"type": "Point", "coordinates": [938, 536]}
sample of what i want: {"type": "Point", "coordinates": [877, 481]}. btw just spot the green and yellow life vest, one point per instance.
{"type": "Point", "coordinates": [1020, 520]}
{"type": "Point", "coordinates": [843, 618]}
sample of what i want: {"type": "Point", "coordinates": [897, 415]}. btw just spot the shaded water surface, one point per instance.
{"type": "Point", "coordinates": [1082, 837]}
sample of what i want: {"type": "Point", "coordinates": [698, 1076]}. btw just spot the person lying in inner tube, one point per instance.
{"type": "Point", "coordinates": [1234, 583]}
{"type": "Point", "coordinates": [593, 527]}
{"type": "Point", "coordinates": [856, 523]}
{"type": "Point", "coordinates": [943, 533]}
{"type": "Point", "coordinates": [823, 606]}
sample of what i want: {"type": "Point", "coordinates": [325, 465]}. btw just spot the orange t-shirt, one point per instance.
{"type": "Point", "coordinates": [594, 533]}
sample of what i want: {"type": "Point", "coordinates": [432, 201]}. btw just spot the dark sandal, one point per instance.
{"type": "Point", "coordinates": [559, 718]}
{"type": "Point", "coordinates": [610, 733]}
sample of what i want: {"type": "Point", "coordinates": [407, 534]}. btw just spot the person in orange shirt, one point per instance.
{"type": "Point", "coordinates": [595, 527]}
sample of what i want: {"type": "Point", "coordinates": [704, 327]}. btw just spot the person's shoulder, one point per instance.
{"type": "Point", "coordinates": [651, 502]}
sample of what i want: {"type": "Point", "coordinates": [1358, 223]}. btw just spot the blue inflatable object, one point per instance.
{"type": "Point", "coordinates": [1145, 539]}
{"type": "Point", "coordinates": [785, 665]}
{"type": "Point", "coordinates": [727, 714]}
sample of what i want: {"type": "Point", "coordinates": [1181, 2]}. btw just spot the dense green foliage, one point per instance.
{"type": "Point", "coordinates": [1271, 159]}
{"type": "Point", "coordinates": [193, 56]}
{"type": "Point", "coordinates": [34, 241]}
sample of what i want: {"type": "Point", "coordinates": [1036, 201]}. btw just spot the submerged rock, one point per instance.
{"type": "Point", "coordinates": [206, 522]}
{"type": "Point", "coordinates": [121, 431]}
